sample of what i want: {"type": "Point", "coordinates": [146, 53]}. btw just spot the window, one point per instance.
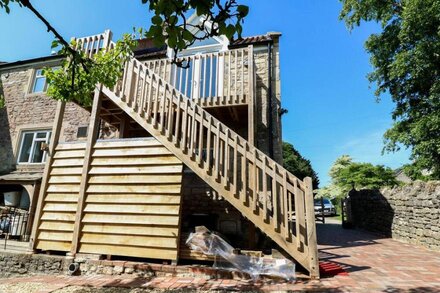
{"type": "Point", "coordinates": [82, 132]}
{"type": "Point", "coordinates": [30, 146]}
{"type": "Point", "coordinates": [39, 83]}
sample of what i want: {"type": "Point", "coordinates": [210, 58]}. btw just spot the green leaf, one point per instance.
{"type": "Point", "coordinates": [188, 36]}
{"type": "Point", "coordinates": [243, 10]}
{"type": "Point", "coordinates": [157, 20]}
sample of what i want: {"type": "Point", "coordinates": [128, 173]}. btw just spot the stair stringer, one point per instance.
{"type": "Point", "coordinates": [290, 247]}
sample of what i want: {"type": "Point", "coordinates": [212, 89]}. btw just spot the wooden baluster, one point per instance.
{"type": "Point", "coordinates": [203, 96]}
{"type": "Point", "coordinates": [156, 103]}
{"type": "Point", "coordinates": [89, 47]}
{"type": "Point", "coordinates": [163, 109]}
{"type": "Point", "coordinates": [174, 68]}
{"type": "Point", "coordinates": [235, 162]}
{"type": "Point", "coordinates": [195, 80]}
{"type": "Point", "coordinates": [192, 137]}
{"type": "Point", "coordinates": [200, 153]}
{"type": "Point", "coordinates": [244, 172]}
{"type": "Point", "coordinates": [184, 125]}
{"type": "Point", "coordinates": [180, 78]}
{"type": "Point", "coordinates": [124, 80]}
{"type": "Point", "coordinates": [264, 178]}
{"type": "Point", "coordinates": [130, 83]}
{"type": "Point", "coordinates": [150, 96]}
{"type": "Point", "coordinates": [144, 92]}
{"type": "Point", "coordinates": [208, 145]}
{"type": "Point", "coordinates": [286, 208]}
{"type": "Point", "coordinates": [275, 197]}
{"type": "Point", "coordinates": [227, 162]}
{"type": "Point", "coordinates": [186, 92]}
{"type": "Point", "coordinates": [217, 154]}
{"type": "Point", "coordinates": [170, 120]}
{"type": "Point", "coordinates": [218, 82]}
{"type": "Point", "coordinates": [211, 63]}
{"type": "Point", "coordinates": [256, 186]}
{"type": "Point", "coordinates": [299, 215]}
{"type": "Point", "coordinates": [136, 89]}
{"type": "Point", "coordinates": [177, 130]}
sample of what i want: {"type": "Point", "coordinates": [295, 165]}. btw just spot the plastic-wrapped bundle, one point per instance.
{"type": "Point", "coordinates": [209, 243]}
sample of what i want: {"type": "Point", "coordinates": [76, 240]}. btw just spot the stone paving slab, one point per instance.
{"type": "Point", "coordinates": [373, 264]}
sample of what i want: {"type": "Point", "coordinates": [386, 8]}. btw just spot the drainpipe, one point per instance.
{"type": "Point", "coordinates": [269, 99]}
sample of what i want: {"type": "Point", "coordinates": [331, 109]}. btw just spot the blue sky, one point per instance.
{"type": "Point", "coordinates": [332, 109]}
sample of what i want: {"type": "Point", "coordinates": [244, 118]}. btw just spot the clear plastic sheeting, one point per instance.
{"type": "Point", "coordinates": [209, 243]}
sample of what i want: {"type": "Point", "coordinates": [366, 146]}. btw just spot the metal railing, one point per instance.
{"type": "Point", "coordinates": [14, 224]}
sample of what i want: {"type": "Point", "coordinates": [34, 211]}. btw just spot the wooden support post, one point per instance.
{"type": "Point", "coordinates": [91, 139]}
{"type": "Point", "coordinates": [251, 97]}
{"type": "Point", "coordinates": [56, 130]}
{"type": "Point", "coordinates": [311, 229]}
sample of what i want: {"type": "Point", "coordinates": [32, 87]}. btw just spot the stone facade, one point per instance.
{"type": "Point", "coordinates": [268, 107]}
{"type": "Point", "coordinates": [26, 111]}
{"type": "Point", "coordinates": [410, 213]}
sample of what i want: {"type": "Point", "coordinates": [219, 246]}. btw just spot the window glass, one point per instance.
{"type": "Point", "coordinates": [37, 153]}
{"type": "Point", "coordinates": [30, 146]}
{"type": "Point", "coordinates": [39, 82]}
{"type": "Point", "coordinates": [41, 134]}
{"type": "Point", "coordinates": [26, 147]}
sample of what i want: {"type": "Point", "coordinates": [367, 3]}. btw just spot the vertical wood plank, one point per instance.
{"type": "Point", "coordinates": [311, 229]}
{"type": "Point", "coordinates": [208, 145]}
{"type": "Point", "coordinates": [275, 203]}
{"type": "Point", "coordinates": [264, 181]}
{"type": "Point", "coordinates": [177, 130]}
{"type": "Point", "coordinates": [299, 215]}
{"type": "Point", "coordinates": [200, 147]}
{"type": "Point", "coordinates": [286, 208]}
{"type": "Point", "coordinates": [91, 140]}
{"type": "Point", "coordinates": [56, 131]}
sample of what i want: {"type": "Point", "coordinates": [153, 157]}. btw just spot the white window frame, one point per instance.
{"type": "Point", "coordinates": [34, 140]}
{"type": "Point", "coordinates": [35, 76]}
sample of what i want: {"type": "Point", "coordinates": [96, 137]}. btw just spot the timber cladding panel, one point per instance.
{"type": "Point", "coordinates": [132, 201]}
{"type": "Point", "coordinates": [59, 206]}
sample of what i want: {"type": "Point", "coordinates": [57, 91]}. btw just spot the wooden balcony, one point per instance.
{"type": "Point", "coordinates": [213, 79]}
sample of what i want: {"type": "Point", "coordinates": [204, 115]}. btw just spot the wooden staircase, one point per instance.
{"type": "Point", "coordinates": [277, 202]}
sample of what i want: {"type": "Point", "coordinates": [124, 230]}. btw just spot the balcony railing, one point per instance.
{"type": "Point", "coordinates": [212, 79]}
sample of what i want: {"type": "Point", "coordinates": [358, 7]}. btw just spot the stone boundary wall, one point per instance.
{"type": "Point", "coordinates": [16, 264]}
{"type": "Point", "coordinates": [13, 264]}
{"type": "Point", "coordinates": [410, 213]}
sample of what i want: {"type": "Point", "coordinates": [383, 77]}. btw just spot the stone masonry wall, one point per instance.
{"type": "Point", "coordinates": [26, 111]}
{"type": "Point", "coordinates": [261, 58]}
{"type": "Point", "coordinates": [12, 264]}
{"type": "Point", "coordinates": [410, 213]}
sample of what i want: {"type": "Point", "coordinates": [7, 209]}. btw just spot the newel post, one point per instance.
{"type": "Point", "coordinates": [311, 229]}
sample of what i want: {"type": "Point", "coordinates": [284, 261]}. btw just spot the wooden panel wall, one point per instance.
{"type": "Point", "coordinates": [57, 220]}
{"type": "Point", "coordinates": [132, 202]}
{"type": "Point", "coordinates": [133, 198]}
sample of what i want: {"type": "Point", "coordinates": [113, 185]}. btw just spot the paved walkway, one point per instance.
{"type": "Point", "coordinates": [373, 264]}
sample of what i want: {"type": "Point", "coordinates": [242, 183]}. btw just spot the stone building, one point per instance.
{"type": "Point", "coordinates": [44, 142]}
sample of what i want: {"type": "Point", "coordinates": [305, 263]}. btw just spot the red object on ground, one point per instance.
{"type": "Point", "coordinates": [331, 269]}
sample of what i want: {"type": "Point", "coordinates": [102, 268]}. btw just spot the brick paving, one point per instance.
{"type": "Point", "coordinates": [373, 264]}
